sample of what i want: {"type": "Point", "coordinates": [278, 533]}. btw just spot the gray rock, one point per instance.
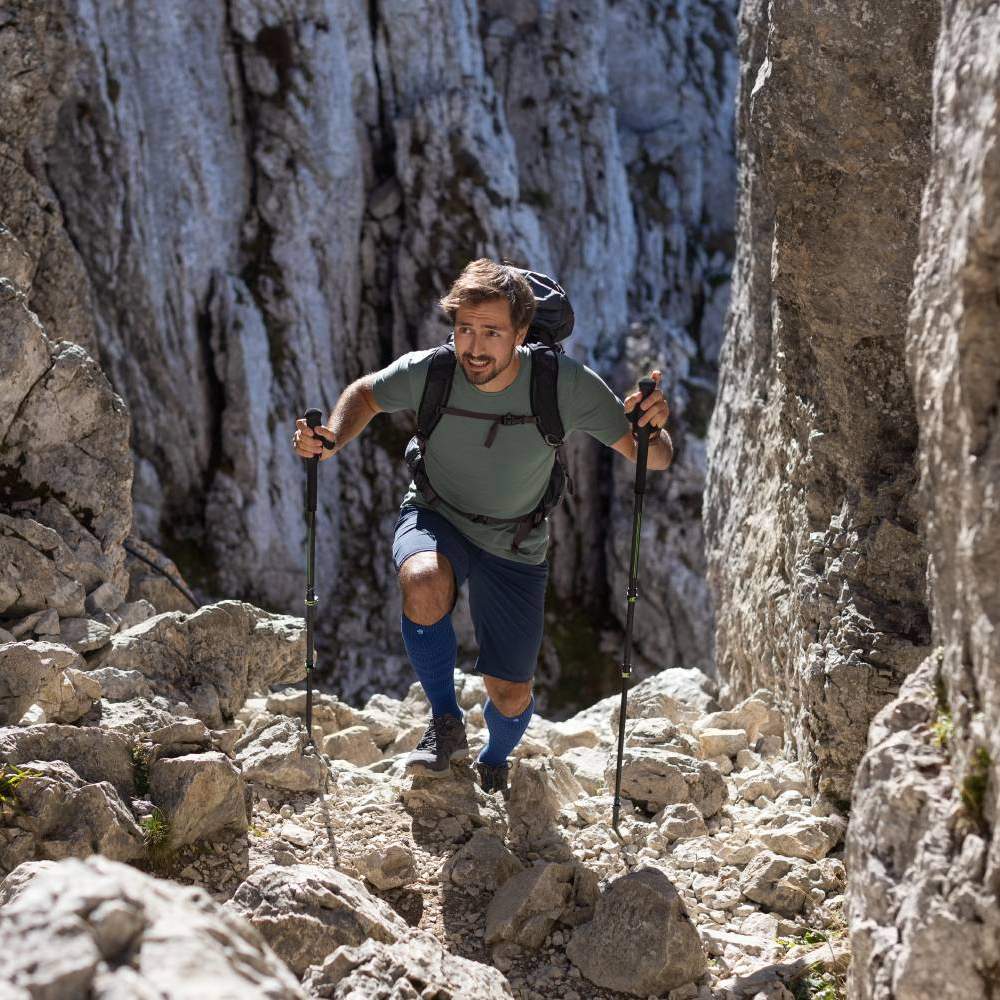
{"type": "Point", "coordinates": [57, 814]}
{"type": "Point", "coordinates": [82, 458]}
{"type": "Point", "coordinates": [121, 685]}
{"type": "Point", "coordinates": [279, 755]}
{"type": "Point", "coordinates": [94, 754]}
{"type": "Point", "coordinates": [540, 788]}
{"type": "Point", "coordinates": [641, 940]}
{"type": "Point", "coordinates": [388, 866]}
{"type": "Point", "coordinates": [48, 623]}
{"type": "Point", "coordinates": [83, 916]}
{"type": "Point", "coordinates": [201, 795]}
{"type": "Point", "coordinates": [659, 778]}
{"type": "Point", "coordinates": [780, 884]}
{"type": "Point", "coordinates": [106, 597]}
{"type": "Point", "coordinates": [415, 965]}
{"type": "Point", "coordinates": [484, 862]}
{"type": "Point", "coordinates": [211, 659]}
{"type": "Point", "coordinates": [134, 613]}
{"type": "Point", "coordinates": [722, 742]}
{"type": "Point", "coordinates": [31, 672]}
{"type": "Point", "coordinates": [813, 537]}
{"type": "Point", "coordinates": [304, 912]}
{"type": "Point", "coordinates": [679, 821]}
{"type": "Point", "coordinates": [525, 908]}
{"type": "Point", "coordinates": [20, 877]}
{"type": "Point", "coordinates": [354, 745]}
{"type": "Point", "coordinates": [925, 819]}
{"type": "Point", "coordinates": [84, 634]}
{"type": "Point", "coordinates": [808, 837]}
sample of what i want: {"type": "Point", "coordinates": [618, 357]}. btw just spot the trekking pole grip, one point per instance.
{"type": "Point", "coordinates": [313, 419]}
{"type": "Point", "coordinates": [646, 387]}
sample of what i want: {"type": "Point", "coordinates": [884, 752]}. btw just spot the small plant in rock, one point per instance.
{"type": "Point", "coordinates": [10, 777]}
{"type": "Point", "coordinates": [974, 784]}
{"type": "Point", "coordinates": [140, 754]}
{"type": "Point", "coordinates": [155, 833]}
{"type": "Point", "coordinates": [820, 984]}
{"type": "Point", "coordinates": [942, 729]}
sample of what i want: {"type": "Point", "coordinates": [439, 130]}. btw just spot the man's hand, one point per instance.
{"type": "Point", "coordinates": [654, 406]}
{"type": "Point", "coordinates": [308, 443]}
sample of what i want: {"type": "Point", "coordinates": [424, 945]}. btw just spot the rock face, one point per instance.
{"type": "Point", "coordinates": [815, 560]}
{"type": "Point", "coordinates": [99, 928]}
{"type": "Point", "coordinates": [924, 841]}
{"type": "Point", "coordinates": [344, 164]}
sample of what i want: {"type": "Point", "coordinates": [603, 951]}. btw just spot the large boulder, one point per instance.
{"type": "Point", "coordinates": [30, 672]}
{"type": "Point", "coordinates": [200, 794]}
{"type": "Point", "coordinates": [414, 966]}
{"type": "Point", "coordinates": [212, 659]}
{"type": "Point", "coordinates": [641, 940]}
{"type": "Point", "coordinates": [99, 928]}
{"type": "Point", "coordinates": [277, 752]}
{"type": "Point", "coordinates": [53, 813]}
{"type": "Point", "coordinates": [659, 778]}
{"type": "Point", "coordinates": [94, 754]}
{"type": "Point", "coordinates": [305, 912]}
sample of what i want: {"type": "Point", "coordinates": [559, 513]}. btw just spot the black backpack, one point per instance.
{"type": "Point", "coordinates": [552, 323]}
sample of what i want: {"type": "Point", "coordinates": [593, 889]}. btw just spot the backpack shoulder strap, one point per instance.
{"type": "Point", "coordinates": [437, 389]}
{"type": "Point", "coordinates": [544, 396]}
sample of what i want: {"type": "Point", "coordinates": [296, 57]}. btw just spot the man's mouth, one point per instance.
{"type": "Point", "coordinates": [478, 364]}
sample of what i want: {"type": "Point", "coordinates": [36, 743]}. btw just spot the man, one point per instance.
{"type": "Point", "coordinates": [436, 548]}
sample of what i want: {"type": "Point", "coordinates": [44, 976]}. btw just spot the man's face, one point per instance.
{"type": "Point", "coordinates": [484, 333]}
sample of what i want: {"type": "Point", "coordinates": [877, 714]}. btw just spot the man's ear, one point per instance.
{"type": "Point", "coordinates": [520, 335]}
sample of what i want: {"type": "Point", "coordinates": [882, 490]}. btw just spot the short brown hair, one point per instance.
{"type": "Point", "coordinates": [483, 280]}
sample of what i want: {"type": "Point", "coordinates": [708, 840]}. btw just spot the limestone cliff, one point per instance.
{"type": "Point", "coordinates": [239, 208]}
{"type": "Point", "coordinates": [815, 558]}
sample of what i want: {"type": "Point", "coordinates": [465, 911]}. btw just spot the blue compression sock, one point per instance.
{"type": "Point", "coordinates": [433, 651]}
{"type": "Point", "coordinates": [505, 732]}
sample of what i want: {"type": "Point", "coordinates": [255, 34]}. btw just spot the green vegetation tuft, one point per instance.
{"type": "Point", "coordinates": [155, 833]}
{"type": "Point", "coordinates": [820, 984]}
{"type": "Point", "coordinates": [941, 729]}
{"type": "Point", "coordinates": [10, 777]}
{"type": "Point", "coordinates": [974, 784]}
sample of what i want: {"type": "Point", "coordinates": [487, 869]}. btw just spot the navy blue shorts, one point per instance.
{"type": "Point", "coordinates": [506, 597]}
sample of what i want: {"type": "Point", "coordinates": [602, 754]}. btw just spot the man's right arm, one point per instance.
{"type": "Point", "coordinates": [384, 391]}
{"type": "Point", "coordinates": [350, 417]}
{"type": "Point", "coordinates": [352, 414]}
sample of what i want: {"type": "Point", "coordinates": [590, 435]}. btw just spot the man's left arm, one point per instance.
{"type": "Point", "coordinates": [654, 413]}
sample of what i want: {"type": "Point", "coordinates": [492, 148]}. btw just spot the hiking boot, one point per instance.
{"type": "Point", "coordinates": [442, 742]}
{"type": "Point", "coordinates": [493, 777]}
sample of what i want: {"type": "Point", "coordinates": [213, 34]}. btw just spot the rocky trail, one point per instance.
{"type": "Point", "coordinates": [344, 877]}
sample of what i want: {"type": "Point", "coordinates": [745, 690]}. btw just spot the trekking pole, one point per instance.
{"type": "Point", "coordinates": [313, 419]}
{"type": "Point", "coordinates": [646, 386]}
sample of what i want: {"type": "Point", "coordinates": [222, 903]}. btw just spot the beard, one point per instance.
{"type": "Point", "coordinates": [480, 376]}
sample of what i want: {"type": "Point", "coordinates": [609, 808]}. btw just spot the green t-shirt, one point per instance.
{"type": "Point", "coordinates": [509, 477]}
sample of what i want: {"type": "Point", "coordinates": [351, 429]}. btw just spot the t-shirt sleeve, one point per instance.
{"type": "Point", "coordinates": [398, 387]}
{"type": "Point", "coordinates": [593, 406]}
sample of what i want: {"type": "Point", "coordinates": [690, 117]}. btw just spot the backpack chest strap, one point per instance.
{"type": "Point", "coordinates": [507, 419]}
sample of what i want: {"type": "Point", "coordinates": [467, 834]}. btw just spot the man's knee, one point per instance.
{"type": "Point", "coordinates": [510, 697]}
{"type": "Point", "coordinates": [427, 583]}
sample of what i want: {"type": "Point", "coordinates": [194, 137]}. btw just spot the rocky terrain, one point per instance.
{"type": "Point", "coordinates": [812, 814]}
